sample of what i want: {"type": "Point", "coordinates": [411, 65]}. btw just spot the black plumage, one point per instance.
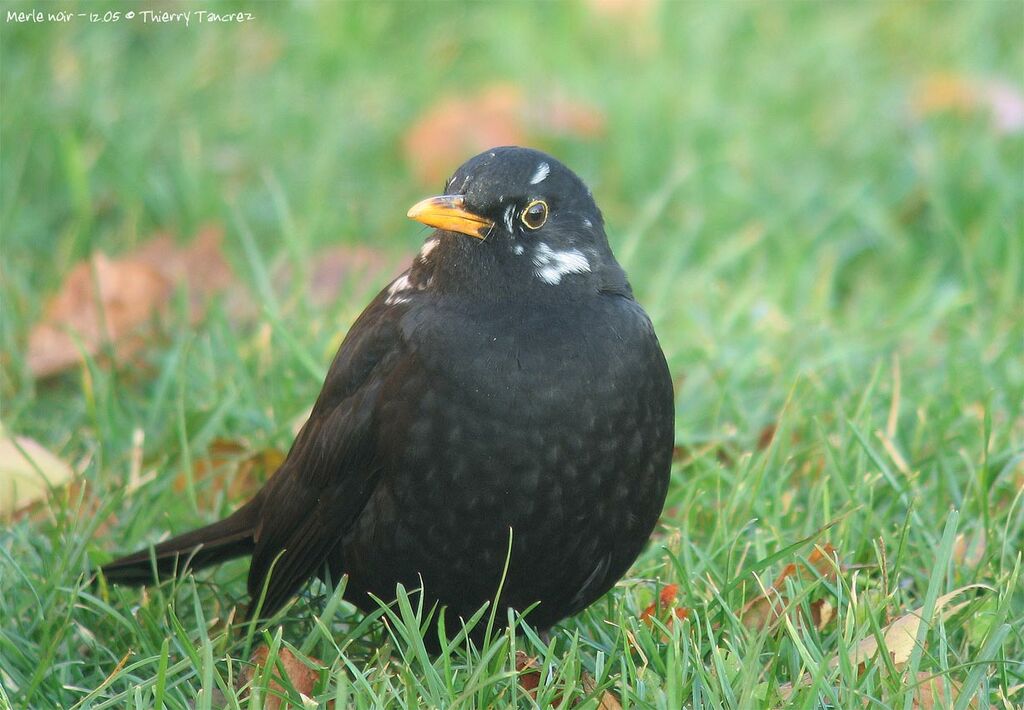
{"type": "Point", "coordinates": [506, 384]}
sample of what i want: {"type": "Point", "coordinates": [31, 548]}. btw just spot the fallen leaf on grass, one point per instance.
{"type": "Point", "coordinates": [104, 302]}
{"type": "Point", "coordinates": [822, 612]}
{"type": "Point", "coordinates": [355, 268]}
{"type": "Point", "coordinates": [666, 602]}
{"type": "Point", "coordinates": [349, 269]}
{"type": "Point", "coordinates": [101, 302]}
{"type": "Point", "coordinates": [27, 472]}
{"type": "Point", "coordinates": [529, 673]}
{"type": "Point", "coordinates": [969, 551]}
{"type": "Point", "coordinates": [232, 467]}
{"type": "Point", "coordinates": [499, 114]}
{"type": "Point", "coordinates": [768, 607]}
{"type": "Point", "coordinates": [528, 670]}
{"type": "Point", "coordinates": [299, 676]}
{"type": "Point", "coordinates": [901, 635]}
{"type": "Point", "coordinates": [765, 438]}
{"type": "Point", "coordinates": [941, 93]}
{"type": "Point", "coordinates": [607, 701]}
{"type": "Point", "coordinates": [930, 692]}
{"type": "Point", "coordinates": [200, 265]}
{"type": "Point", "coordinates": [936, 691]}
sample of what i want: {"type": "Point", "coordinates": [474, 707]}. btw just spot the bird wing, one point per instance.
{"type": "Point", "coordinates": [332, 467]}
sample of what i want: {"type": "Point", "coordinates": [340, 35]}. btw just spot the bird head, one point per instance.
{"type": "Point", "coordinates": [530, 221]}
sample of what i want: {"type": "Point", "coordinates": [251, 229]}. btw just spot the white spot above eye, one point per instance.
{"type": "Point", "coordinates": [542, 172]}
{"type": "Point", "coordinates": [553, 265]}
{"type": "Point", "coordinates": [509, 211]}
{"type": "Point", "coordinates": [396, 290]}
{"type": "Point", "coordinates": [427, 247]}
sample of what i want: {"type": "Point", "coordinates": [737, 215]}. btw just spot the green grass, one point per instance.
{"type": "Point", "coordinates": [816, 258]}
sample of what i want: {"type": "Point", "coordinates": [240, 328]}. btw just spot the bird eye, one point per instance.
{"type": "Point", "coordinates": [535, 214]}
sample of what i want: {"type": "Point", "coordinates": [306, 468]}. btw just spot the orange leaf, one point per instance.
{"type": "Point", "coordinates": [666, 599]}
{"type": "Point", "coordinates": [957, 93]}
{"type": "Point", "coordinates": [200, 265]}
{"type": "Point", "coordinates": [102, 301]}
{"type": "Point", "coordinates": [665, 602]}
{"type": "Point", "coordinates": [105, 302]}
{"type": "Point", "coordinates": [499, 114]}
{"type": "Point", "coordinates": [354, 267]}
{"type": "Point", "coordinates": [300, 676]}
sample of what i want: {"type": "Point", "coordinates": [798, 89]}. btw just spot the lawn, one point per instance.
{"type": "Point", "coordinates": [821, 207]}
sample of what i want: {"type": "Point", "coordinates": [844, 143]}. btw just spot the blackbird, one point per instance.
{"type": "Point", "coordinates": [502, 408]}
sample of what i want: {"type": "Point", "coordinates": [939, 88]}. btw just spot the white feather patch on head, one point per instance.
{"type": "Point", "coordinates": [518, 250]}
{"type": "Point", "coordinates": [509, 211]}
{"type": "Point", "coordinates": [553, 265]}
{"type": "Point", "coordinates": [542, 172]}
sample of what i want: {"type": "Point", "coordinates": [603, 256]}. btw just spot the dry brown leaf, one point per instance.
{"type": "Point", "coordinates": [607, 701]}
{"type": "Point", "coordinates": [104, 302]}
{"type": "Point", "coordinates": [768, 607]}
{"type": "Point", "coordinates": [901, 635]}
{"type": "Point", "coordinates": [822, 612]}
{"type": "Point", "coordinates": [499, 114]}
{"type": "Point", "coordinates": [969, 550]}
{"type": "Point", "coordinates": [930, 693]}
{"type": "Point", "coordinates": [529, 673]}
{"type": "Point", "coordinates": [232, 466]}
{"type": "Point", "coordinates": [765, 438]}
{"type": "Point", "coordinates": [764, 610]}
{"type": "Point", "coordinates": [300, 676]}
{"type": "Point", "coordinates": [681, 453]}
{"type": "Point", "coordinates": [200, 264]}
{"type": "Point", "coordinates": [27, 472]}
{"type": "Point", "coordinates": [332, 271]}
{"type": "Point", "coordinates": [940, 93]}
{"type": "Point", "coordinates": [355, 267]}
{"type": "Point", "coordinates": [932, 690]}
{"type": "Point", "coordinates": [528, 670]}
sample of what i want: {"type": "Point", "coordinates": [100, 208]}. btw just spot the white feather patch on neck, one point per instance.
{"type": "Point", "coordinates": [397, 290]}
{"type": "Point", "coordinates": [553, 265]}
{"type": "Point", "coordinates": [427, 247]}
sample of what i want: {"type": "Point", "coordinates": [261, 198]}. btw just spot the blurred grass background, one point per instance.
{"type": "Point", "coordinates": [829, 244]}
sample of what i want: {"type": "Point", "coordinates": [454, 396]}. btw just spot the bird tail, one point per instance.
{"type": "Point", "coordinates": [224, 540]}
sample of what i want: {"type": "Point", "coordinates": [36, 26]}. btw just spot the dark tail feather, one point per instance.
{"type": "Point", "coordinates": [223, 540]}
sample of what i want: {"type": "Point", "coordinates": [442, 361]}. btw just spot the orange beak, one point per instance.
{"type": "Point", "coordinates": [448, 212]}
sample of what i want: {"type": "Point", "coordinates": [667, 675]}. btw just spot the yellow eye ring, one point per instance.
{"type": "Point", "coordinates": [535, 214]}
